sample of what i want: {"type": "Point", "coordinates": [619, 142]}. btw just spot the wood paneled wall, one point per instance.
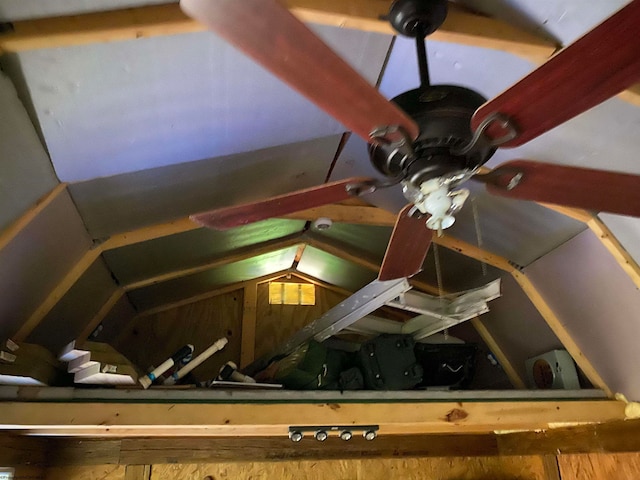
{"type": "Point", "coordinates": [624, 466]}
{"type": "Point", "coordinates": [149, 340]}
{"type": "Point", "coordinates": [276, 323]}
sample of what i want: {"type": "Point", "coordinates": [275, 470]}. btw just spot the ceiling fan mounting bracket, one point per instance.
{"type": "Point", "coordinates": [417, 18]}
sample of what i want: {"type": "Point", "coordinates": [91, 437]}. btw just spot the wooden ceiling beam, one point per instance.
{"type": "Point", "coordinates": [461, 26]}
{"type": "Point", "coordinates": [254, 419]}
{"type": "Point", "coordinates": [233, 256]}
{"type": "Point", "coordinates": [150, 232]}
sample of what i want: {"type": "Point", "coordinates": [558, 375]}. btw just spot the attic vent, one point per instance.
{"type": "Point", "coordinates": [289, 293]}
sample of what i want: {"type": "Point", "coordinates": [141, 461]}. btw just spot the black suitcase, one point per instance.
{"type": "Point", "coordinates": [388, 362]}
{"type": "Point", "coordinates": [446, 365]}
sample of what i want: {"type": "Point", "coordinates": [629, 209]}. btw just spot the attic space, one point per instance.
{"type": "Point", "coordinates": [119, 120]}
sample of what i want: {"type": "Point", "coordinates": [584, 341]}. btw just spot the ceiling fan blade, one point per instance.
{"type": "Point", "coordinates": [584, 188]}
{"type": "Point", "coordinates": [597, 66]}
{"type": "Point", "coordinates": [267, 32]}
{"type": "Point", "coordinates": [229, 217]}
{"type": "Point", "coordinates": [407, 248]}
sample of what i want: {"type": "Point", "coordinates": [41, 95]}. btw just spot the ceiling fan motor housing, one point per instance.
{"type": "Point", "coordinates": [443, 113]}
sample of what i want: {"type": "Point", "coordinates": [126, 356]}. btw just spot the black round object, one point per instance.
{"type": "Point", "coordinates": [417, 17]}
{"type": "Point", "coordinates": [443, 113]}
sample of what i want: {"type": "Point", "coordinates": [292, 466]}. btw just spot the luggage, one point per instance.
{"type": "Point", "coordinates": [388, 362]}
{"type": "Point", "coordinates": [446, 365]}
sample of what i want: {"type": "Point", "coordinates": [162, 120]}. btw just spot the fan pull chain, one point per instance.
{"type": "Point", "coordinates": [436, 256]}
{"type": "Point", "coordinates": [476, 221]}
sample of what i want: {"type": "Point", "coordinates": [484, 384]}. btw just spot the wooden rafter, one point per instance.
{"type": "Point", "coordinates": [560, 331]}
{"type": "Point", "coordinates": [57, 293]}
{"type": "Point", "coordinates": [232, 419]}
{"type": "Point", "coordinates": [233, 256]}
{"type": "Point", "coordinates": [461, 26]}
{"type": "Point", "coordinates": [9, 233]}
{"type": "Point", "coordinates": [611, 243]}
{"type": "Point", "coordinates": [150, 232]}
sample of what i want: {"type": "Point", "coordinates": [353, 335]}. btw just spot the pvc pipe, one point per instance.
{"type": "Point", "coordinates": [149, 378]}
{"type": "Point", "coordinates": [217, 346]}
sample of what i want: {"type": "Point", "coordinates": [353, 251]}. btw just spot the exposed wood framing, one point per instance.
{"type": "Point", "coordinates": [632, 95]}
{"type": "Point", "coordinates": [230, 419]}
{"type": "Point", "coordinates": [345, 252]}
{"type": "Point", "coordinates": [98, 317]}
{"type": "Point", "coordinates": [512, 374]}
{"type": "Point", "coordinates": [472, 251]}
{"type": "Point", "coordinates": [461, 26]}
{"type": "Point", "coordinates": [359, 215]}
{"type": "Point", "coordinates": [611, 243]}
{"type": "Point", "coordinates": [214, 293]}
{"type": "Point", "coordinates": [558, 329]}
{"type": "Point", "coordinates": [577, 214]}
{"type": "Point", "coordinates": [57, 293]}
{"type": "Point", "coordinates": [151, 232]}
{"type": "Point", "coordinates": [249, 312]}
{"type": "Point", "coordinates": [16, 227]}
{"type": "Point", "coordinates": [229, 257]}
{"type": "Point", "coordinates": [608, 437]}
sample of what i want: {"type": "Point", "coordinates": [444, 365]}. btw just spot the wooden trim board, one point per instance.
{"type": "Point", "coordinates": [255, 419]}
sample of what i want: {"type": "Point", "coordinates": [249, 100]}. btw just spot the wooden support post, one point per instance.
{"type": "Point", "coordinates": [558, 329]}
{"type": "Point", "coordinates": [249, 311]}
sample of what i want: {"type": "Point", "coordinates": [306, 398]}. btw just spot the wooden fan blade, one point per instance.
{"type": "Point", "coordinates": [229, 217]}
{"type": "Point", "coordinates": [596, 67]}
{"type": "Point", "coordinates": [408, 247]}
{"type": "Point", "coordinates": [585, 188]}
{"type": "Point", "coordinates": [267, 32]}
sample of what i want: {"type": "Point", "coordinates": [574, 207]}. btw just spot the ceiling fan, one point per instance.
{"type": "Point", "coordinates": [434, 138]}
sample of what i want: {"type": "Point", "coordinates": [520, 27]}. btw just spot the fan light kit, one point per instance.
{"type": "Point", "coordinates": [432, 139]}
